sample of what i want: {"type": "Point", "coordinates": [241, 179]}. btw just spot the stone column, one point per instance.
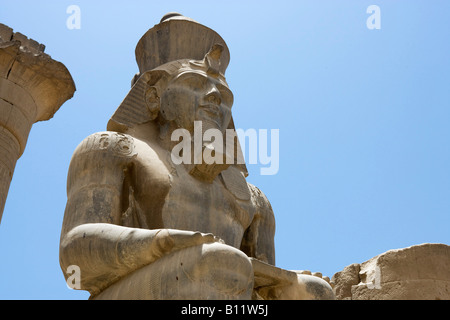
{"type": "Point", "coordinates": [32, 88]}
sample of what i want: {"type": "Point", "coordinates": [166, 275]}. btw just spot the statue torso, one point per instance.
{"type": "Point", "coordinates": [167, 196]}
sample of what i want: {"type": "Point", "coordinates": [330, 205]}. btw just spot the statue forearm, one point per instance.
{"type": "Point", "coordinates": [106, 252]}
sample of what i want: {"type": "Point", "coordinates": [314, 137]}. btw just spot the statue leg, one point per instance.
{"type": "Point", "coordinates": [273, 283]}
{"type": "Point", "coordinates": [209, 271]}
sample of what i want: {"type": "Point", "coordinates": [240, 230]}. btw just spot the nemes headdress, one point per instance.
{"type": "Point", "coordinates": [175, 43]}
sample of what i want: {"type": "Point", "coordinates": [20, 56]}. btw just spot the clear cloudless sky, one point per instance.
{"type": "Point", "coordinates": [363, 118]}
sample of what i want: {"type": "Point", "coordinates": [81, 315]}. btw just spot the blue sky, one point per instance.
{"type": "Point", "coordinates": [363, 118]}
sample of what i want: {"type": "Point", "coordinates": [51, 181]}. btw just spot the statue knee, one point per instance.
{"type": "Point", "coordinates": [307, 287]}
{"type": "Point", "coordinates": [315, 288]}
{"type": "Point", "coordinates": [224, 270]}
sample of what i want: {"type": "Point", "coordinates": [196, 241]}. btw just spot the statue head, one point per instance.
{"type": "Point", "coordinates": [166, 54]}
{"type": "Point", "coordinates": [181, 80]}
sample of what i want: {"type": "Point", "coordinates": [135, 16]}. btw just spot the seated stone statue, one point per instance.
{"type": "Point", "coordinates": [141, 226]}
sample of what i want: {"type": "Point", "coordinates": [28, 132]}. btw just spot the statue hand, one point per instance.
{"type": "Point", "coordinates": [167, 240]}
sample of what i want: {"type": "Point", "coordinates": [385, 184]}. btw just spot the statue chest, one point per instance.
{"type": "Point", "coordinates": [167, 196]}
{"type": "Point", "coordinates": [206, 207]}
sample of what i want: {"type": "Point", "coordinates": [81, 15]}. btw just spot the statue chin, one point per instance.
{"type": "Point", "coordinates": [208, 170]}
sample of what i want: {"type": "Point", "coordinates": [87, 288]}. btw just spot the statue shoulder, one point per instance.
{"type": "Point", "coordinates": [100, 155]}
{"type": "Point", "coordinates": [107, 143]}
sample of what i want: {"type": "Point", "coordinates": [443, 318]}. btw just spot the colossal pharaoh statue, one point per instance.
{"type": "Point", "coordinates": [141, 226]}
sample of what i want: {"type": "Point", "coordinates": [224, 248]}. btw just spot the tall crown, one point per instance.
{"type": "Point", "coordinates": [177, 37]}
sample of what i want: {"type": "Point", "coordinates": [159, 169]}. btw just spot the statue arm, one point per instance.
{"type": "Point", "coordinates": [105, 252]}
{"type": "Point", "coordinates": [92, 237]}
{"type": "Point", "coordinates": [258, 241]}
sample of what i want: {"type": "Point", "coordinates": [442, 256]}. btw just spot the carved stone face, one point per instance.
{"type": "Point", "coordinates": [194, 95]}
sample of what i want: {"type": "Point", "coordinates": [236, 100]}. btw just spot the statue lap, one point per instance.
{"type": "Point", "coordinates": [209, 271]}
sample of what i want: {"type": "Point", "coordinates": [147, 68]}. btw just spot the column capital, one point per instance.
{"type": "Point", "coordinates": [24, 62]}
